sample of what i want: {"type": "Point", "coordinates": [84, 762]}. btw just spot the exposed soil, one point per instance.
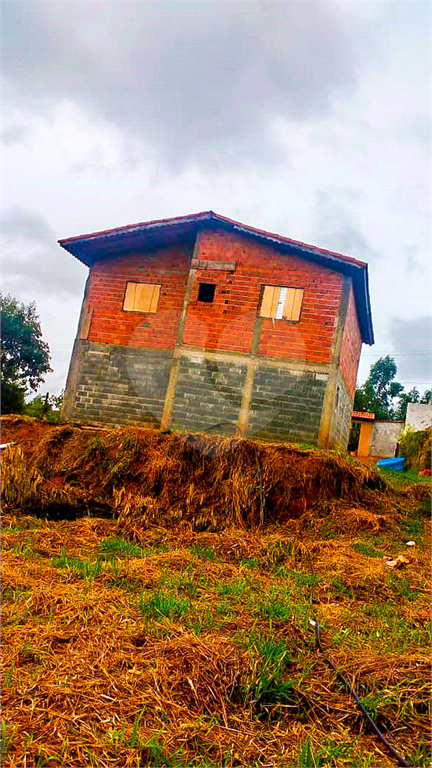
{"type": "Point", "coordinates": [144, 477]}
{"type": "Point", "coordinates": [18, 428]}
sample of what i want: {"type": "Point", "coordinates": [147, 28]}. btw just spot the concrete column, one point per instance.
{"type": "Point", "coordinates": [243, 419]}
{"type": "Point", "coordinates": [330, 393]}
{"type": "Point", "coordinates": [172, 383]}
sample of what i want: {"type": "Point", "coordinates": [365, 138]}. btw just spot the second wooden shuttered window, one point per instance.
{"type": "Point", "coordinates": [141, 297]}
{"type": "Point", "coordinates": [281, 303]}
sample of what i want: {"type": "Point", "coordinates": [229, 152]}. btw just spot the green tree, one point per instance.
{"type": "Point", "coordinates": [379, 390]}
{"type": "Point", "coordinates": [413, 396]}
{"type": "Point", "coordinates": [25, 358]}
{"type": "Point", "coordinates": [45, 407]}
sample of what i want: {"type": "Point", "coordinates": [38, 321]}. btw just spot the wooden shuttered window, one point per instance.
{"type": "Point", "coordinates": [141, 297]}
{"type": "Point", "coordinates": [269, 301]}
{"type": "Point", "coordinates": [281, 303]}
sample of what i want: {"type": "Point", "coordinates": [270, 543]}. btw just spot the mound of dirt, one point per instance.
{"type": "Point", "coordinates": [144, 477]}
{"type": "Point", "coordinates": [15, 428]}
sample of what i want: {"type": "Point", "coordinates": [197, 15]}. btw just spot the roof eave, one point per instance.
{"type": "Point", "coordinates": [358, 270]}
{"type": "Point", "coordinates": [85, 249]}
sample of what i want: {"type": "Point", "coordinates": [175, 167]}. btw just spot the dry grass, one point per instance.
{"type": "Point", "coordinates": [144, 477]}
{"type": "Point", "coordinates": [128, 642]}
{"type": "Point", "coordinates": [197, 651]}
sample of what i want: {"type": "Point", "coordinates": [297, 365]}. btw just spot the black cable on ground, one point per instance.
{"type": "Point", "coordinates": [400, 760]}
{"type": "Point", "coordinates": [315, 623]}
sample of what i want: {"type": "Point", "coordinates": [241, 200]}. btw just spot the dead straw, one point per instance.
{"type": "Point", "coordinates": [143, 477]}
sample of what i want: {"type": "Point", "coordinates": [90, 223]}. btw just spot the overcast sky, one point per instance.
{"type": "Point", "coordinates": [308, 118]}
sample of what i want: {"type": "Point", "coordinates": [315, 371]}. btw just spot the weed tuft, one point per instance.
{"type": "Point", "coordinates": [206, 553]}
{"type": "Point", "coordinates": [119, 547]}
{"type": "Point", "coordinates": [366, 549]}
{"type": "Point", "coordinates": [163, 605]}
{"type": "Point", "coordinates": [268, 689]}
{"type": "Point", "coordinates": [88, 569]}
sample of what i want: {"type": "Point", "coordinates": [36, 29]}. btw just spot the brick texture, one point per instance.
{"type": "Point", "coordinates": [208, 392]}
{"type": "Point", "coordinates": [107, 287]}
{"type": "Point", "coordinates": [120, 385]}
{"type": "Point", "coordinates": [351, 346]}
{"type": "Point", "coordinates": [228, 323]}
{"type": "Point", "coordinates": [286, 405]}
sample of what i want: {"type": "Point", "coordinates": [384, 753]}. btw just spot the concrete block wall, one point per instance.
{"type": "Point", "coordinates": [286, 405]}
{"type": "Point", "coordinates": [121, 385]}
{"type": "Point", "coordinates": [341, 418]}
{"type": "Point", "coordinates": [207, 392]}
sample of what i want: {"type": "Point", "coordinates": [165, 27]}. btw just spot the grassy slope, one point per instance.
{"type": "Point", "coordinates": [195, 648]}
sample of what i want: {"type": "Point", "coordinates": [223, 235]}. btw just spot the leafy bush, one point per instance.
{"type": "Point", "coordinates": [415, 447]}
{"type": "Point", "coordinates": [45, 407]}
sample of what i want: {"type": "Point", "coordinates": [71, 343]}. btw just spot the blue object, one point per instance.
{"type": "Point", "coordinates": [397, 465]}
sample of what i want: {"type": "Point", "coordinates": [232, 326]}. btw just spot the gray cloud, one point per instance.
{"type": "Point", "coordinates": [305, 118]}
{"type": "Point", "coordinates": [336, 211]}
{"type": "Point", "coordinates": [411, 263]}
{"type": "Point", "coordinates": [194, 79]}
{"type": "Point", "coordinates": [13, 135]}
{"type": "Point", "coordinates": [411, 341]}
{"type": "Point", "coordinates": [33, 258]}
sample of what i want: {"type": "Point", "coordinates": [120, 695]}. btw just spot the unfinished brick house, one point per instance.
{"type": "Point", "coordinates": [200, 321]}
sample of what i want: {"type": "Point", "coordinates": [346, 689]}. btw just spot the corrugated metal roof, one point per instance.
{"type": "Point", "coordinates": [202, 217]}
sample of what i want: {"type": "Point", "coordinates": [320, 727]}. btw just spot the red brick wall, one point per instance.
{"type": "Point", "coordinates": [228, 323]}
{"type": "Point", "coordinates": [107, 286]}
{"type": "Point", "coordinates": [351, 346]}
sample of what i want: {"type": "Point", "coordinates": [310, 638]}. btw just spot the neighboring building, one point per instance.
{"type": "Point", "coordinates": [373, 437]}
{"type": "Point", "coordinates": [419, 416]}
{"type": "Point", "coordinates": [201, 321]}
{"type": "Point", "coordinates": [380, 438]}
{"type": "Point", "coordinates": [385, 438]}
{"type": "Point", "coordinates": [362, 427]}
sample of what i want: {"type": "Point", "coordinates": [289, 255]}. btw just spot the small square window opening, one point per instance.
{"type": "Point", "coordinates": [141, 297]}
{"type": "Point", "coordinates": [206, 292]}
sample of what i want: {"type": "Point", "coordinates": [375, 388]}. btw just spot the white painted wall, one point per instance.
{"type": "Point", "coordinates": [385, 435]}
{"type": "Point", "coordinates": [419, 416]}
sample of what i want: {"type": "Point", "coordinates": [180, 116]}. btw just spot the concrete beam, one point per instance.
{"type": "Point", "coordinates": [224, 266]}
{"type": "Point", "coordinates": [243, 419]}
{"type": "Point", "coordinates": [172, 383]}
{"type": "Point", "coordinates": [330, 393]}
